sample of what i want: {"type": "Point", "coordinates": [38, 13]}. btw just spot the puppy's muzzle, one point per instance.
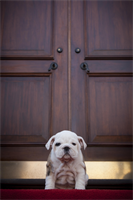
{"type": "Point", "coordinates": [66, 149]}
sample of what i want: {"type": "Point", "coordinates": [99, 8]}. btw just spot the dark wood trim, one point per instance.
{"type": "Point", "coordinates": [23, 145]}
{"type": "Point", "coordinates": [109, 145]}
{"type": "Point", "coordinates": [111, 57]}
{"type": "Point", "coordinates": [41, 57]}
{"type": "Point", "coordinates": [125, 184]}
{"type": "Point", "coordinates": [22, 183]}
{"type": "Point", "coordinates": [112, 74]}
{"type": "Point", "coordinates": [38, 144]}
{"type": "Point", "coordinates": [28, 74]}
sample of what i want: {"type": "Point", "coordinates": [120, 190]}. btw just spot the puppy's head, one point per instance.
{"type": "Point", "coordinates": [66, 145]}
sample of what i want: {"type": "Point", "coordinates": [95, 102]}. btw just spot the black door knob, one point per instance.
{"type": "Point", "coordinates": [84, 66]}
{"type": "Point", "coordinates": [53, 66]}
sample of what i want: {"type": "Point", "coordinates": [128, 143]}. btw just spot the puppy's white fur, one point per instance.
{"type": "Point", "coordinates": [65, 165]}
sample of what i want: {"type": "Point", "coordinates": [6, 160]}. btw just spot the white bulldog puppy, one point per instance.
{"type": "Point", "coordinates": [65, 166]}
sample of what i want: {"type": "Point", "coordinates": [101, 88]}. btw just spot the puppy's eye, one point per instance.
{"type": "Point", "coordinates": [57, 144]}
{"type": "Point", "coordinates": [74, 143]}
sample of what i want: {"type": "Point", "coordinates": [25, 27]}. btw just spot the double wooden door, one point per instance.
{"type": "Point", "coordinates": [38, 101]}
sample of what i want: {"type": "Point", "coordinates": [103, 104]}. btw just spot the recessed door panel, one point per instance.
{"type": "Point", "coordinates": [108, 29]}
{"type": "Point", "coordinates": [26, 108]}
{"type": "Point", "coordinates": [110, 103]}
{"type": "Point", "coordinates": [27, 29]}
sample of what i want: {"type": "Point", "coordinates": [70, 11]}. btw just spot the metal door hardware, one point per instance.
{"type": "Point", "coordinates": [53, 66]}
{"type": "Point", "coordinates": [77, 50]}
{"type": "Point", "coordinates": [84, 66]}
{"type": "Point", "coordinates": [59, 50]}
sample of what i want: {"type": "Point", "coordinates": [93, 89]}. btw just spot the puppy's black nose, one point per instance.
{"type": "Point", "coordinates": [66, 148]}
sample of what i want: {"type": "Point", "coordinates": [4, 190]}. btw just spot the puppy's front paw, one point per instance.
{"type": "Point", "coordinates": [49, 183]}
{"type": "Point", "coordinates": [80, 187]}
{"type": "Point", "coordinates": [49, 188]}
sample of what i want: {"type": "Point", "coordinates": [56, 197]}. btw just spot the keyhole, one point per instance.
{"type": "Point", "coordinates": [54, 65]}
{"type": "Point", "coordinates": [84, 66]}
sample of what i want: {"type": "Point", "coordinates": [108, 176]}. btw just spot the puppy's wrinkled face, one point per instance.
{"type": "Point", "coordinates": [66, 145]}
{"type": "Point", "coordinates": [66, 148]}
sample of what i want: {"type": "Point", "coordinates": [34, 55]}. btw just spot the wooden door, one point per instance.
{"type": "Point", "coordinates": [37, 103]}
{"type": "Point", "coordinates": [102, 98]}
{"type": "Point", "coordinates": [33, 100]}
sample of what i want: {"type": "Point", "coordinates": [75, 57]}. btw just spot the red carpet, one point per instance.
{"type": "Point", "coordinates": [65, 194]}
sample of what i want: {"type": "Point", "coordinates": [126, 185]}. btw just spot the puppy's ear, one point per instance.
{"type": "Point", "coordinates": [50, 142]}
{"type": "Point", "coordinates": [82, 142]}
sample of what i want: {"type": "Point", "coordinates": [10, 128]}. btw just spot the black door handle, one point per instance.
{"type": "Point", "coordinates": [84, 66]}
{"type": "Point", "coordinates": [53, 66]}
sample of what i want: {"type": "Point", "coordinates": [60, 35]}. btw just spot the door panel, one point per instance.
{"type": "Point", "coordinates": [110, 109]}
{"type": "Point", "coordinates": [103, 104]}
{"type": "Point", "coordinates": [108, 29]}
{"type": "Point", "coordinates": [27, 29]}
{"type": "Point", "coordinates": [26, 106]}
{"type": "Point", "coordinates": [34, 100]}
